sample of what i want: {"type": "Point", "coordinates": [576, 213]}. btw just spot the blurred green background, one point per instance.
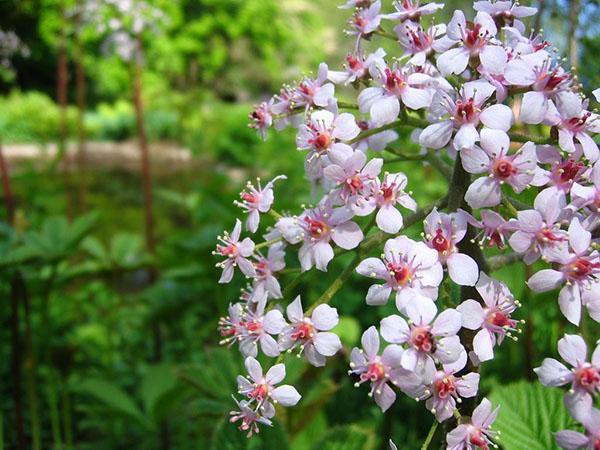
{"type": "Point", "coordinates": [118, 347]}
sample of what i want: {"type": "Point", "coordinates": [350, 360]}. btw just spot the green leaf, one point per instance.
{"type": "Point", "coordinates": [348, 329]}
{"type": "Point", "coordinates": [158, 382]}
{"type": "Point", "coordinates": [347, 437]}
{"type": "Point", "coordinates": [113, 397]}
{"type": "Point", "coordinates": [529, 414]}
{"type": "Point", "coordinates": [228, 437]}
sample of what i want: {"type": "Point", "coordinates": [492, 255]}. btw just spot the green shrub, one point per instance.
{"type": "Point", "coordinates": [31, 117]}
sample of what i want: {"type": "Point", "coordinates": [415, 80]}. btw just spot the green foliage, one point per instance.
{"type": "Point", "coordinates": [31, 117]}
{"type": "Point", "coordinates": [350, 437]}
{"type": "Point", "coordinates": [228, 437]}
{"type": "Point", "coordinates": [529, 415]}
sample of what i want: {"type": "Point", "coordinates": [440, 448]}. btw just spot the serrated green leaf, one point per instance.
{"type": "Point", "coordinates": [347, 437]}
{"type": "Point", "coordinates": [529, 414]}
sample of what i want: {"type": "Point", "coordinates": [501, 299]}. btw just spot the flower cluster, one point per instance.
{"type": "Point", "coordinates": [466, 89]}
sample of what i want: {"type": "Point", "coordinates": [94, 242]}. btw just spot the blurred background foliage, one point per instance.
{"type": "Point", "coordinates": [118, 346]}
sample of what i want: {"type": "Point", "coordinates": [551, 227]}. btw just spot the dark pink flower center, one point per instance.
{"type": "Point", "coordinates": [375, 372]}
{"type": "Point", "coordinates": [422, 339]}
{"type": "Point", "coordinates": [316, 228]}
{"type": "Point", "coordinates": [439, 242]}
{"type": "Point", "coordinates": [401, 272]}
{"type": "Point", "coordinates": [387, 192]}
{"type": "Point", "coordinates": [259, 392]}
{"type": "Point", "coordinates": [465, 110]}
{"type": "Point", "coordinates": [321, 141]}
{"type": "Point", "coordinates": [303, 332]}
{"type": "Point", "coordinates": [354, 63]}
{"type": "Point", "coordinates": [576, 124]}
{"type": "Point", "coordinates": [355, 183]}
{"type": "Point", "coordinates": [500, 319]}
{"type": "Point", "coordinates": [394, 81]}
{"type": "Point", "coordinates": [445, 387]}
{"type": "Point", "coordinates": [588, 377]}
{"type": "Point", "coordinates": [248, 197]}
{"type": "Point", "coordinates": [230, 250]}
{"type": "Point", "coordinates": [597, 444]}
{"type": "Point", "coordinates": [504, 169]}
{"type": "Point", "coordinates": [252, 326]}
{"type": "Point", "coordinates": [582, 268]}
{"type": "Point", "coordinates": [569, 170]}
{"type": "Point", "coordinates": [478, 439]}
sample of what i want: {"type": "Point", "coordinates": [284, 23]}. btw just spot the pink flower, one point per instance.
{"type": "Point", "coordinates": [380, 370]}
{"type": "Point", "coordinates": [493, 319]}
{"type": "Point", "coordinates": [284, 104]}
{"type": "Point", "coordinates": [236, 253]}
{"type": "Point", "coordinates": [312, 334]}
{"type": "Point", "coordinates": [261, 388]}
{"type": "Point", "coordinates": [410, 268]}
{"type": "Point", "coordinates": [588, 197]}
{"type": "Point", "coordinates": [442, 233]}
{"type": "Point", "coordinates": [365, 20]}
{"type": "Point", "coordinates": [477, 434]}
{"type": "Point", "coordinates": [418, 42]}
{"type": "Point", "coordinates": [562, 174]}
{"type": "Point", "coordinates": [545, 79]}
{"type": "Point", "coordinates": [314, 91]}
{"type": "Point", "coordinates": [428, 340]}
{"type": "Point", "coordinates": [444, 390]}
{"type": "Point", "coordinates": [504, 11]}
{"type": "Point", "coordinates": [357, 67]}
{"type": "Point", "coordinates": [250, 326]}
{"type": "Point", "coordinates": [386, 195]}
{"type": "Point", "coordinates": [352, 4]}
{"type": "Point", "coordinates": [383, 102]}
{"type": "Point", "coordinates": [411, 10]}
{"type": "Point", "coordinates": [537, 231]}
{"type": "Point", "coordinates": [584, 377]}
{"type": "Point", "coordinates": [322, 225]}
{"type": "Point", "coordinates": [262, 119]}
{"type": "Point", "coordinates": [575, 123]}
{"type": "Point", "coordinates": [256, 200]}
{"type": "Point", "coordinates": [354, 177]}
{"type": "Point", "coordinates": [516, 170]}
{"type": "Point", "coordinates": [325, 132]}
{"type": "Point", "coordinates": [475, 41]}
{"type": "Point", "coordinates": [573, 440]}
{"type": "Point", "coordinates": [266, 268]}
{"type": "Point", "coordinates": [250, 418]}
{"type": "Point", "coordinates": [464, 114]}
{"type": "Point", "coordinates": [579, 269]}
{"type": "Point", "coordinates": [495, 230]}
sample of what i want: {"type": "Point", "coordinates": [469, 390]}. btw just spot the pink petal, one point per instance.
{"type": "Point", "coordinates": [572, 349]}
{"type": "Point", "coordinates": [370, 342]}
{"type": "Point", "coordinates": [327, 343]}
{"type": "Point", "coordinates": [545, 280]}
{"type": "Point", "coordinates": [463, 269]}
{"type": "Point", "coordinates": [286, 395]}
{"type": "Point", "coordinates": [394, 329]}
{"type": "Point", "coordinates": [483, 346]}
{"type": "Point", "coordinates": [553, 373]}
{"type": "Point", "coordinates": [472, 314]}
{"type": "Point", "coordinates": [499, 117]}
{"type": "Point", "coordinates": [324, 317]}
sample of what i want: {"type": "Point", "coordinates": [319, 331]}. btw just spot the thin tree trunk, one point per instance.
{"type": "Point", "coordinates": [573, 23]}
{"type": "Point", "coordinates": [9, 201]}
{"type": "Point", "coordinates": [16, 290]}
{"type": "Point", "coordinates": [148, 208]}
{"type": "Point", "coordinates": [62, 80]}
{"type": "Point", "coordinates": [81, 134]}
{"type": "Point", "coordinates": [145, 154]}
